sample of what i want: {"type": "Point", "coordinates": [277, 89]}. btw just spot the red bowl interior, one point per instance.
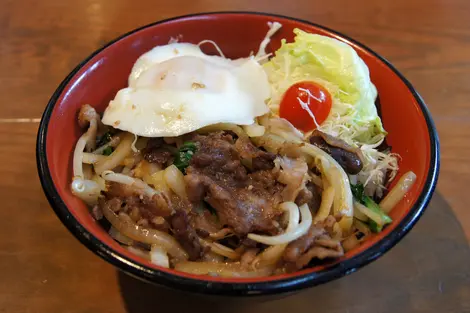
{"type": "Point", "coordinates": [237, 35]}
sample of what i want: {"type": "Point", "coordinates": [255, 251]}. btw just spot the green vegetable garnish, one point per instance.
{"type": "Point", "coordinates": [108, 151]}
{"type": "Point", "coordinates": [358, 193]}
{"type": "Point", "coordinates": [104, 139]}
{"type": "Point", "coordinates": [376, 228]}
{"type": "Point", "coordinates": [336, 66]}
{"type": "Point", "coordinates": [368, 202]}
{"type": "Point", "coordinates": [184, 155]}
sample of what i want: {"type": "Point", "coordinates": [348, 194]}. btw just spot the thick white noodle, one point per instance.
{"type": "Point", "coordinates": [116, 158]}
{"type": "Point", "coordinates": [92, 158]}
{"type": "Point", "coordinates": [175, 180]}
{"type": "Point", "coordinates": [289, 236]}
{"type": "Point", "coordinates": [87, 190]}
{"type": "Point", "coordinates": [398, 192]}
{"type": "Point", "coordinates": [159, 256]}
{"type": "Point", "coordinates": [220, 249]}
{"type": "Point", "coordinates": [271, 255]}
{"type": "Point", "coordinates": [130, 181]}
{"type": "Point", "coordinates": [78, 156]}
{"type": "Point", "coordinates": [112, 143]}
{"type": "Point", "coordinates": [327, 199]}
{"type": "Point", "coordinates": [254, 130]}
{"type": "Point", "coordinates": [337, 177]}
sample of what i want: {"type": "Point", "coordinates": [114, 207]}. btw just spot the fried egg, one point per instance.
{"type": "Point", "coordinates": [176, 89]}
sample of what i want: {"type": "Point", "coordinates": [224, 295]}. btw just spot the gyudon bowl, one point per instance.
{"type": "Point", "coordinates": [96, 81]}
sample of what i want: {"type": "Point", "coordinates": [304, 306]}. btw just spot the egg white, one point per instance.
{"type": "Point", "coordinates": [176, 89]}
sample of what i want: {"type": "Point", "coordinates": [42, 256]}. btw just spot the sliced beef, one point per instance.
{"type": "Point", "coordinates": [293, 174]}
{"type": "Point", "coordinates": [248, 257]}
{"type": "Point", "coordinates": [133, 201]}
{"type": "Point", "coordinates": [350, 158]}
{"type": "Point", "coordinates": [196, 186]}
{"type": "Point", "coordinates": [319, 252]}
{"type": "Point", "coordinates": [113, 204]}
{"type": "Point", "coordinates": [186, 235]}
{"type": "Point", "coordinates": [244, 201]}
{"type": "Point", "coordinates": [96, 212]}
{"type": "Point", "coordinates": [310, 194]}
{"type": "Point", "coordinates": [249, 243]}
{"type": "Point", "coordinates": [244, 209]}
{"type": "Point", "coordinates": [205, 223]}
{"type": "Point", "coordinates": [297, 247]}
{"type": "Point", "coordinates": [304, 196]}
{"type": "Point", "coordinates": [316, 244]}
{"type": "Point", "coordinates": [156, 152]}
{"type": "Point", "coordinates": [140, 214]}
{"type": "Point", "coordinates": [260, 160]}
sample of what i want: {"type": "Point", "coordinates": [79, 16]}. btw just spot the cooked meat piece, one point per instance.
{"type": "Point", "coordinates": [160, 223]}
{"type": "Point", "coordinates": [264, 179]}
{"type": "Point", "coordinates": [319, 252]}
{"type": "Point", "coordinates": [297, 247]}
{"type": "Point", "coordinates": [310, 194]}
{"type": "Point", "coordinates": [155, 152]}
{"type": "Point", "coordinates": [245, 202]}
{"type": "Point", "coordinates": [260, 160]}
{"type": "Point", "coordinates": [245, 210]}
{"type": "Point", "coordinates": [327, 242]}
{"type": "Point", "coordinates": [96, 212]}
{"type": "Point", "coordinates": [315, 244]}
{"type": "Point", "coordinates": [304, 196]}
{"type": "Point", "coordinates": [205, 223]}
{"type": "Point", "coordinates": [158, 156]}
{"type": "Point", "coordinates": [293, 174]}
{"type": "Point", "coordinates": [155, 143]}
{"type": "Point", "coordinates": [113, 204]}
{"type": "Point", "coordinates": [139, 214]}
{"type": "Point", "coordinates": [217, 155]}
{"type": "Point", "coordinates": [158, 205]}
{"type": "Point", "coordinates": [264, 161]}
{"type": "Point", "coordinates": [249, 243]}
{"type": "Point", "coordinates": [248, 257]}
{"type": "Point", "coordinates": [186, 235]}
{"type": "Point", "coordinates": [348, 157]}
{"type": "Point", "coordinates": [195, 188]}
{"type": "Point", "coordinates": [179, 204]}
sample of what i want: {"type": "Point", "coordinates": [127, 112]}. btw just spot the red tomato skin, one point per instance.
{"type": "Point", "coordinates": [320, 105]}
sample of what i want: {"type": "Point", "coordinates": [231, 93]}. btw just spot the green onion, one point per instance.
{"type": "Point", "coordinates": [108, 151]}
{"type": "Point", "coordinates": [103, 139]}
{"type": "Point", "coordinates": [375, 226]}
{"type": "Point", "coordinates": [183, 156]}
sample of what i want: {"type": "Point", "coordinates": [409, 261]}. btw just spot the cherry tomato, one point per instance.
{"type": "Point", "coordinates": [315, 97]}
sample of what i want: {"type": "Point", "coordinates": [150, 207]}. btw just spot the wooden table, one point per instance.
{"type": "Point", "coordinates": [44, 269]}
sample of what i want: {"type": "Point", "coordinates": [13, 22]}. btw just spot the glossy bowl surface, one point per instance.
{"type": "Point", "coordinates": [97, 79]}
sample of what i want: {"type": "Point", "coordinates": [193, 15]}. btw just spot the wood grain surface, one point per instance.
{"type": "Point", "coordinates": [44, 269]}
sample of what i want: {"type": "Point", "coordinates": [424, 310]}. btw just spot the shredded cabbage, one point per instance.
{"type": "Point", "coordinates": [336, 66]}
{"type": "Point", "coordinates": [353, 117]}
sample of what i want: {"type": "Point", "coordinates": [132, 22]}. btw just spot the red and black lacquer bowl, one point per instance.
{"type": "Point", "coordinates": [97, 79]}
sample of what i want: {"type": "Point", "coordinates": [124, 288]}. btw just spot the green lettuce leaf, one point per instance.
{"type": "Point", "coordinates": [337, 67]}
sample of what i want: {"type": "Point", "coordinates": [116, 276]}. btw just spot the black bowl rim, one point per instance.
{"type": "Point", "coordinates": [233, 288]}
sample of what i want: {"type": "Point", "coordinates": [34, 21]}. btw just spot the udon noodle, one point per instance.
{"type": "Point", "coordinates": [277, 215]}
